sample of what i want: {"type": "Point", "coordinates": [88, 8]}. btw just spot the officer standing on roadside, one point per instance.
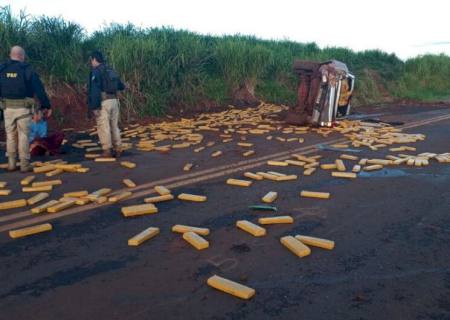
{"type": "Point", "coordinates": [19, 83]}
{"type": "Point", "coordinates": [103, 85]}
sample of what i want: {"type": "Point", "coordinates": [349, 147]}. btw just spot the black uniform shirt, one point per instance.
{"type": "Point", "coordinates": [33, 84]}
{"type": "Point", "coordinates": [95, 87]}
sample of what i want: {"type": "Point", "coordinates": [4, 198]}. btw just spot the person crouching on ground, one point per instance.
{"type": "Point", "coordinates": [40, 143]}
{"type": "Point", "coordinates": [103, 85]}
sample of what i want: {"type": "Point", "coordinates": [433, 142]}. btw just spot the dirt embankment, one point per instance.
{"type": "Point", "coordinates": [69, 107]}
{"type": "Point", "coordinates": [70, 104]}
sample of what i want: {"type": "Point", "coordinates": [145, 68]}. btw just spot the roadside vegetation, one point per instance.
{"type": "Point", "coordinates": [167, 69]}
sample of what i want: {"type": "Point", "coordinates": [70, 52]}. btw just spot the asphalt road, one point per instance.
{"type": "Point", "coordinates": [391, 228]}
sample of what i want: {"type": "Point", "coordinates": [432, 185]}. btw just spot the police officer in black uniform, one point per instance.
{"type": "Point", "coordinates": [103, 85]}
{"type": "Point", "coordinates": [19, 84]}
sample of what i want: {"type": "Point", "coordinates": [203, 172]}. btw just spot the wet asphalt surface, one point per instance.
{"type": "Point", "coordinates": [391, 228]}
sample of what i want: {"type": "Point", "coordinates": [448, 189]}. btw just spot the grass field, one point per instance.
{"type": "Point", "coordinates": [166, 68]}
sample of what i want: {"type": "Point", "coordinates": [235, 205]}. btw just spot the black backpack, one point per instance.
{"type": "Point", "coordinates": [14, 79]}
{"type": "Point", "coordinates": [110, 80]}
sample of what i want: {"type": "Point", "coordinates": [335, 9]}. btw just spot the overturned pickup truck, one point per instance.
{"type": "Point", "coordinates": [324, 93]}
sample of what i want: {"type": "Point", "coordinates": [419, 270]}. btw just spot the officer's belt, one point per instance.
{"type": "Point", "coordinates": [106, 96]}
{"type": "Point", "coordinates": [18, 103]}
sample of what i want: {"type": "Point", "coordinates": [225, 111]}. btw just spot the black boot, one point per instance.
{"type": "Point", "coordinates": [106, 153]}
{"type": "Point", "coordinates": [25, 165]}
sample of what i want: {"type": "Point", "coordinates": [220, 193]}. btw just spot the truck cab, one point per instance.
{"type": "Point", "coordinates": [324, 93]}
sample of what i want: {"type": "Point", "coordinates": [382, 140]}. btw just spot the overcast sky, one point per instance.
{"type": "Point", "coordinates": [407, 28]}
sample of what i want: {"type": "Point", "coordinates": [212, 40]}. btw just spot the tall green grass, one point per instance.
{"type": "Point", "coordinates": [53, 45]}
{"type": "Point", "coordinates": [425, 78]}
{"type": "Point", "coordinates": [175, 69]}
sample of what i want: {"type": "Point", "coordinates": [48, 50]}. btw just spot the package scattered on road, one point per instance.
{"type": "Point", "coordinates": [316, 242]}
{"type": "Point", "coordinates": [295, 246]}
{"type": "Point", "coordinates": [162, 190]}
{"type": "Point", "coordinates": [192, 197]}
{"type": "Point", "coordinates": [156, 199]}
{"type": "Point", "coordinates": [19, 233]}
{"type": "Point", "coordinates": [179, 228]}
{"type": "Point", "coordinates": [270, 197]}
{"type": "Point", "coordinates": [195, 240]}
{"type": "Point", "coordinates": [276, 220]}
{"type": "Point", "coordinates": [37, 198]}
{"type": "Point", "coordinates": [240, 183]}
{"type": "Point", "coordinates": [138, 210]}
{"type": "Point", "coordinates": [231, 287]}
{"type": "Point", "coordinates": [43, 207]}
{"type": "Point", "coordinates": [315, 194]}
{"type": "Point", "coordinates": [129, 183]}
{"type": "Point", "coordinates": [143, 236]}
{"type": "Point", "coordinates": [13, 204]}
{"type": "Point", "coordinates": [251, 228]}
